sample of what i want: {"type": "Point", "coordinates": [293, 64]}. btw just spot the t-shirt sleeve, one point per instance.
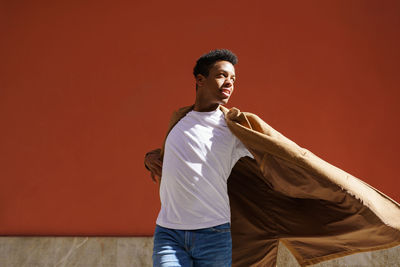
{"type": "Point", "coordinates": [241, 150]}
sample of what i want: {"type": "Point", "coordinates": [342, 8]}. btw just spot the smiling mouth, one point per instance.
{"type": "Point", "coordinates": [226, 92]}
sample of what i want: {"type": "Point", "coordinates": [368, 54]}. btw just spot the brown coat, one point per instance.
{"type": "Point", "coordinates": [288, 194]}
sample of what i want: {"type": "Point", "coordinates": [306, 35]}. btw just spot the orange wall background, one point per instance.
{"type": "Point", "coordinates": [87, 87]}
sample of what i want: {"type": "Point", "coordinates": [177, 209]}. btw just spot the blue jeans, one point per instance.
{"type": "Point", "coordinates": [193, 248]}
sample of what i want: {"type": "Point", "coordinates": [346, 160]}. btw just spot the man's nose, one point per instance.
{"type": "Point", "coordinates": [228, 82]}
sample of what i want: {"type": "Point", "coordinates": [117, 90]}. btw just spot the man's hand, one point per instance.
{"type": "Point", "coordinates": [153, 162]}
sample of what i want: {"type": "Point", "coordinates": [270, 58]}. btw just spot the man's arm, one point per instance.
{"type": "Point", "coordinates": [153, 162]}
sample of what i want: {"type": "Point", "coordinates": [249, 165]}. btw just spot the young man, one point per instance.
{"type": "Point", "coordinates": [193, 226]}
{"type": "Point", "coordinates": [280, 193]}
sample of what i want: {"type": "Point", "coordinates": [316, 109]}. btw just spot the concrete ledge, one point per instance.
{"type": "Point", "coordinates": [75, 251]}
{"type": "Point", "coordinates": [136, 252]}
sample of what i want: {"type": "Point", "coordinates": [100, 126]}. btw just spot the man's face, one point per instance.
{"type": "Point", "coordinates": [217, 87]}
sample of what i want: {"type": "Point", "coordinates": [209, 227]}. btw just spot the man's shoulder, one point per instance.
{"type": "Point", "coordinates": [184, 109]}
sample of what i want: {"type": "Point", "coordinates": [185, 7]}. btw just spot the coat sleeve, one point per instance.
{"type": "Point", "coordinates": [156, 151]}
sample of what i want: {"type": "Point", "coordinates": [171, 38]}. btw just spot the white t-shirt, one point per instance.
{"type": "Point", "coordinates": [200, 152]}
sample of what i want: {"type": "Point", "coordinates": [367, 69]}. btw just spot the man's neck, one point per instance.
{"type": "Point", "coordinates": [205, 107]}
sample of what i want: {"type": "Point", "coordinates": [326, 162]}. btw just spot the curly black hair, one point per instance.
{"type": "Point", "coordinates": [206, 61]}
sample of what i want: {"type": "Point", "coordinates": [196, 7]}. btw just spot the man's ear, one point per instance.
{"type": "Point", "coordinates": [200, 79]}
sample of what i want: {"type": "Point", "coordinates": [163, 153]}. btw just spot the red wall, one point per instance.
{"type": "Point", "coordinates": [87, 89]}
